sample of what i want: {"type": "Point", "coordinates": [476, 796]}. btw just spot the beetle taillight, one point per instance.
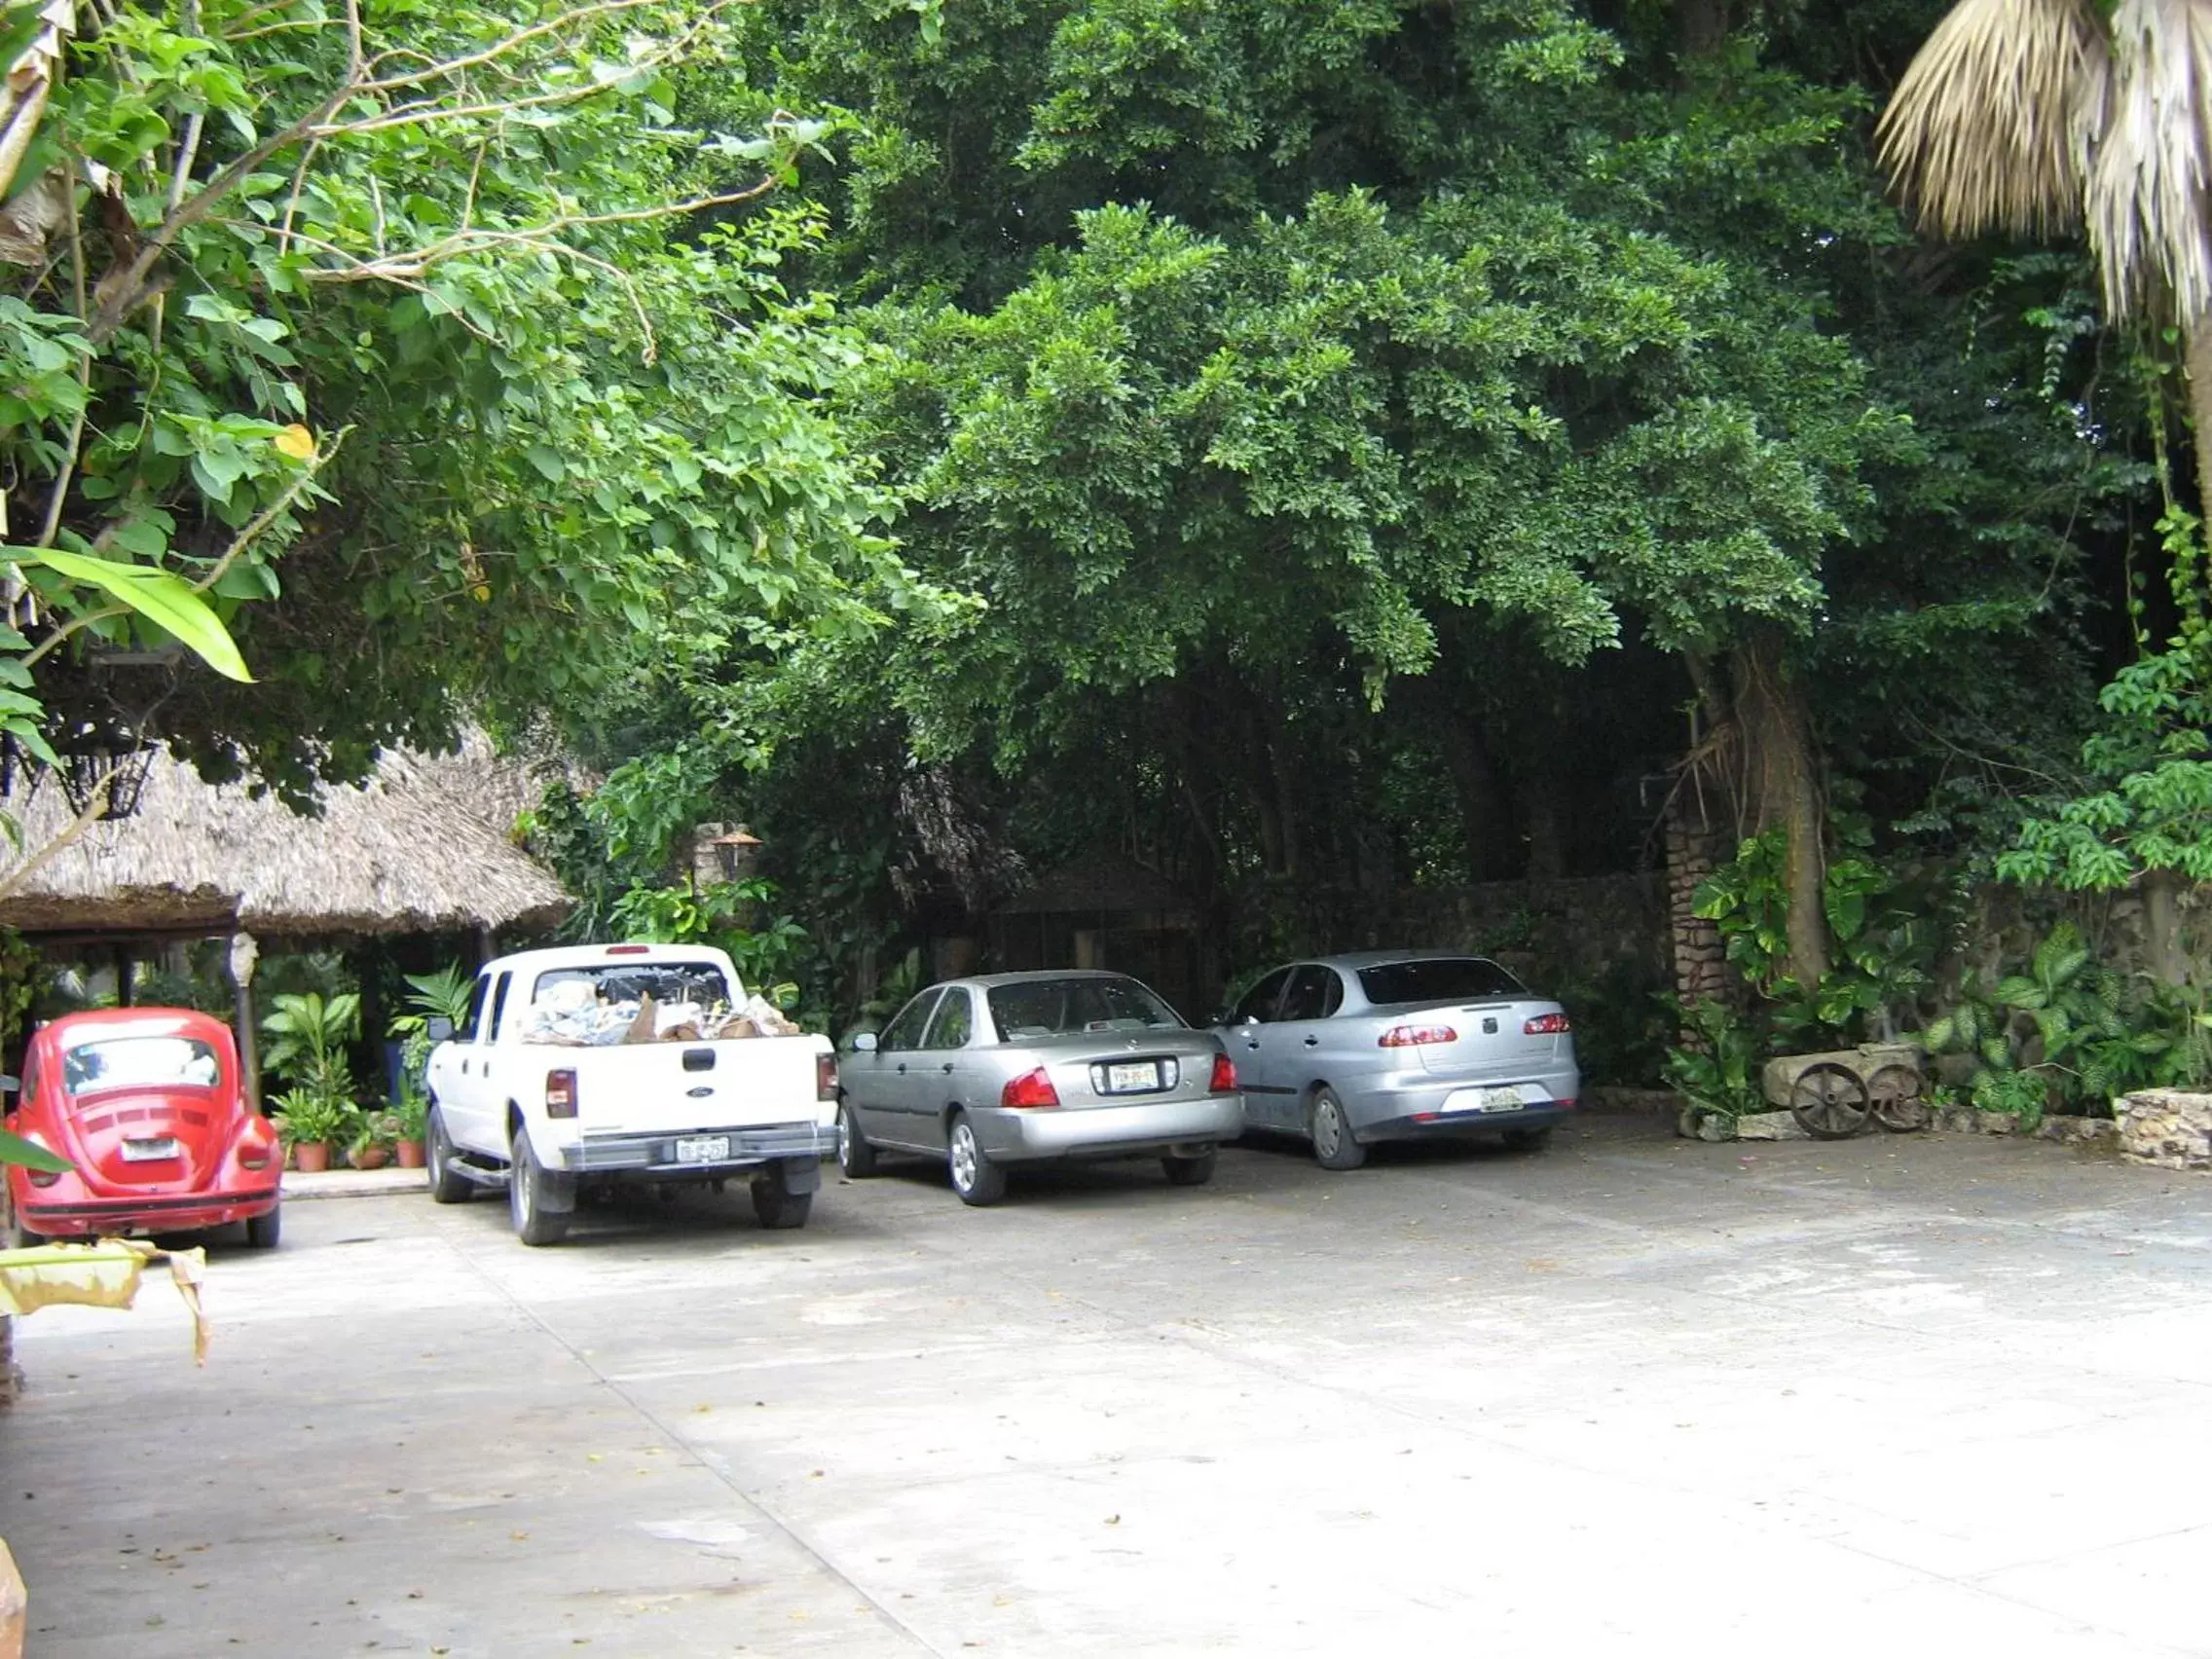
{"type": "Point", "coordinates": [1416, 1035]}
{"type": "Point", "coordinates": [1224, 1079]}
{"type": "Point", "coordinates": [1547, 1025]}
{"type": "Point", "coordinates": [1031, 1089]}
{"type": "Point", "coordinates": [560, 1094]}
{"type": "Point", "coordinates": [825, 1077]}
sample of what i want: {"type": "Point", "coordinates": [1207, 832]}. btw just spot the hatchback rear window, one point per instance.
{"type": "Point", "coordinates": [139, 1062]}
{"type": "Point", "coordinates": [1437, 980]}
{"type": "Point", "coordinates": [1055, 1007]}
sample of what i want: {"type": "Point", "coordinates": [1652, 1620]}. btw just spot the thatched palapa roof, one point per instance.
{"type": "Point", "coordinates": [421, 847]}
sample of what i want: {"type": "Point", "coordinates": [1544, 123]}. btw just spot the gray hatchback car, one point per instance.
{"type": "Point", "coordinates": [1013, 1068]}
{"type": "Point", "coordinates": [1400, 1044]}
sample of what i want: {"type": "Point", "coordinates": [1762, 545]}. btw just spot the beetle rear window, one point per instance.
{"type": "Point", "coordinates": [1436, 979]}
{"type": "Point", "coordinates": [139, 1062]}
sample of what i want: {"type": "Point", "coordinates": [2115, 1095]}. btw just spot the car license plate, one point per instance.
{"type": "Point", "coordinates": [1498, 1101]}
{"type": "Point", "coordinates": [702, 1148]}
{"type": "Point", "coordinates": [1132, 1077]}
{"type": "Point", "coordinates": [151, 1151]}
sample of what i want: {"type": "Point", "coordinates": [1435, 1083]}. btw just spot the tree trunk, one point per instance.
{"type": "Point", "coordinates": [1781, 770]}
{"type": "Point", "coordinates": [1484, 818]}
{"type": "Point", "coordinates": [2199, 362]}
{"type": "Point", "coordinates": [2162, 926]}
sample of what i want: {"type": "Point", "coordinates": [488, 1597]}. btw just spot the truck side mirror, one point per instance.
{"type": "Point", "coordinates": [863, 1041]}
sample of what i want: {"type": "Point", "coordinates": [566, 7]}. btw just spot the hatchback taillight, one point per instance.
{"type": "Point", "coordinates": [1031, 1089]}
{"type": "Point", "coordinates": [1224, 1079]}
{"type": "Point", "coordinates": [41, 1177]}
{"type": "Point", "coordinates": [825, 1077]}
{"type": "Point", "coordinates": [561, 1094]}
{"type": "Point", "coordinates": [254, 1155]}
{"type": "Point", "coordinates": [1415, 1036]}
{"type": "Point", "coordinates": [1548, 1026]}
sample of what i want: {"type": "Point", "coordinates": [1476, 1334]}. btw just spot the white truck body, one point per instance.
{"type": "Point", "coordinates": [505, 1099]}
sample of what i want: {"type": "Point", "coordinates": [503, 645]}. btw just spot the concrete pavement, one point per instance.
{"type": "Point", "coordinates": [1633, 1394]}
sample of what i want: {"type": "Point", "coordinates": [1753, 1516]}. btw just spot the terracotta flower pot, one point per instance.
{"type": "Point", "coordinates": [311, 1158]}
{"type": "Point", "coordinates": [409, 1153]}
{"type": "Point", "coordinates": [372, 1157]}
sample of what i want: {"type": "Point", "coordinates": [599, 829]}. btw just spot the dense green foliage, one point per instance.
{"type": "Point", "coordinates": [567, 426]}
{"type": "Point", "coordinates": [1355, 433]}
{"type": "Point", "coordinates": [1305, 452]}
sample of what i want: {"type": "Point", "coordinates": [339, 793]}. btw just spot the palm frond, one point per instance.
{"type": "Point", "coordinates": [1990, 127]}
{"type": "Point", "coordinates": [2148, 219]}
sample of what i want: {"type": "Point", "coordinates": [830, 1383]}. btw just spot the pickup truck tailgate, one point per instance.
{"type": "Point", "coordinates": [666, 1087]}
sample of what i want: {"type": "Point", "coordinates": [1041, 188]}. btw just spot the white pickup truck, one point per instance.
{"type": "Point", "coordinates": [582, 1067]}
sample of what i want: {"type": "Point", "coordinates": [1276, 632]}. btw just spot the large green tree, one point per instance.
{"type": "Point", "coordinates": [564, 424]}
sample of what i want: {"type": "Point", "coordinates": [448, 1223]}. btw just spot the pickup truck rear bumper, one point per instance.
{"type": "Point", "coordinates": [655, 1155]}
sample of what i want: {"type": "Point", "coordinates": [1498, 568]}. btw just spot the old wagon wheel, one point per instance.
{"type": "Point", "coordinates": [1828, 1101]}
{"type": "Point", "coordinates": [1899, 1096]}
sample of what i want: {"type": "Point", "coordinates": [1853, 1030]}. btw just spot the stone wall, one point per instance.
{"type": "Point", "coordinates": [1585, 926]}
{"type": "Point", "coordinates": [2166, 1127]}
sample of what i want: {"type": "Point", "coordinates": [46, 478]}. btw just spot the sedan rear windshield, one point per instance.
{"type": "Point", "coordinates": [1438, 980]}
{"type": "Point", "coordinates": [139, 1062]}
{"type": "Point", "coordinates": [1056, 1008]}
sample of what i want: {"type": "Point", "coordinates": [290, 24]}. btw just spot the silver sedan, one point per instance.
{"type": "Point", "coordinates": [1400, 1044]}
{"type": "Point", "coordinates": [1011, 1068]}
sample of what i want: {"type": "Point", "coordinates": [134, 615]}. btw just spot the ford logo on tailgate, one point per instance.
{"type": "Point", "coordinates": [699, 1094]}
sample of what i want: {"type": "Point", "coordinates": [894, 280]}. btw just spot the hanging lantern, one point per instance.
{"type": "Point", "coordinates": [97, 754]}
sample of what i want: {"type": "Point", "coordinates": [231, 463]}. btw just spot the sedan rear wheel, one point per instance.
{"type": "Point", "coordinates": [855, 1157]}
{"type": "Point", "coordinates": [1335, 1147]}
{"type": "Point", "coordinates": [262, 1232]}
{"type": "Point", "coordinates": [1193, 1171]}
{"type": "Point", "coordinates": [974, 1177]}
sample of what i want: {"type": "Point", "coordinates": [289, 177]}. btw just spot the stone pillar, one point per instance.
{"type": "Point", "coordinates": [1695, 847]}
{"type": "Point", "coordinates": [244, 953]}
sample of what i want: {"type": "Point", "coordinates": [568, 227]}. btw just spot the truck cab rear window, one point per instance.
{"type": "Point", "coordinates": [1438, 980]}
{"type": "Point", "coordinates": [666, 982]}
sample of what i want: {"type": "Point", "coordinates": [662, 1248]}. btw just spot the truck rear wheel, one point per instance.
{"type": "Point", "coordinates": [776, 1204]}
{"type": "Point", "coordinates": [527, 1197]}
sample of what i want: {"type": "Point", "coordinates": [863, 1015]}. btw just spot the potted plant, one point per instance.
{"type": "Point", "coordinates": [408, 1120]}
{"type": "Point", "coordinates": [372, 1139]}
{"type": "Point", "coordinates": [310, 1122]}
{"type": "Point", "coordinates": [437, 1003]}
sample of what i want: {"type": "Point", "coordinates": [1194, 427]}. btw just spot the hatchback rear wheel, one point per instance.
{"type": "Point", "coordinates": [1335, 1147]}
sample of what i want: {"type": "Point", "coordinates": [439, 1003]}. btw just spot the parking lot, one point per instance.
{"type": "Point", "coordinates": [1631, 1394]}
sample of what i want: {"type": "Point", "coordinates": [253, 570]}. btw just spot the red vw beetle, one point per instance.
{"type": "Point", "coordinates": [145, 1103]}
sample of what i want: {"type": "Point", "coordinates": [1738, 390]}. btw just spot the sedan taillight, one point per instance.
{"type": "Point", "coordinates": [560, 1094]}
{"type": "Point", "coordinates": [1224, 1079]}
{"type": "Point", "coordinates": [1415, 1036]}
{"type": "Point", "coordinates": [825, 1077]}
{"type": "Point", "coordinates": [1548, 1026]}
{"type": "Point", "coordinates": [1031, 1089]}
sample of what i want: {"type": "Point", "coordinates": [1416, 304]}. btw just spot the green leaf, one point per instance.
{"type": "Point", "coordinates": [160, 597]}
{"type": "Point", "coordinates": [15, 1150]}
